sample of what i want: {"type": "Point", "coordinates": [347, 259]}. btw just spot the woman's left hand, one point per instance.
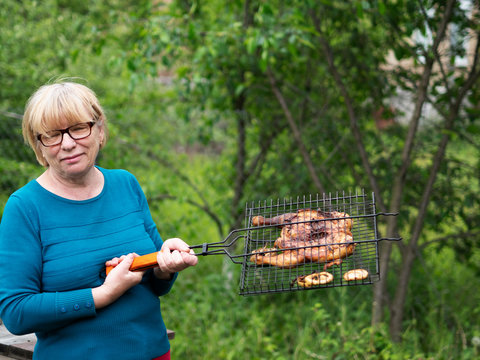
{"type": "Point", "coordinates": [174, 256]}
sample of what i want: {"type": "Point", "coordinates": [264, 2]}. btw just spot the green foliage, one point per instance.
{"type": "Point", "coordinates": [192, 114]}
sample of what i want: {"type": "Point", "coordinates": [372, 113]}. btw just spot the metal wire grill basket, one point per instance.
{"type": "Point", "coordinates": [258, 279]}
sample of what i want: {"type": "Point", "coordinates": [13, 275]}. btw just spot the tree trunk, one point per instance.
{"type": "Point", "coordinates": [409, 255]}
{"type": "Point", "coordinates": [240, 175]}
{"type": "Point", "coordinates": [380, 289]}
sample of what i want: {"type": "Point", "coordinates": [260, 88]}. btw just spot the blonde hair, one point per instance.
{"type": "Point", "coordinates": [54, 104]}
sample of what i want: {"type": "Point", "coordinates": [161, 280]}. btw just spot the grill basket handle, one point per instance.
{"type": "Point", "coordinates": [149, 261]}
{"type": "Point", "coordinates": [140, 263]}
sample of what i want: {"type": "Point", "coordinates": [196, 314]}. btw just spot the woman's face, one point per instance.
{"type": "Point", "coordinates": [73, 159]}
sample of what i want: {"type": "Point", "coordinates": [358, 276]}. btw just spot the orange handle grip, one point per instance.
{"type": "Point", "coordinates": [140, 263]}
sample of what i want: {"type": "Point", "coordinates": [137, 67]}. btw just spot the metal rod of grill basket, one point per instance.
{"type": "Point", "coordinates": [314, 242]}
{"type": "Point", "coordinates": [221, 247]}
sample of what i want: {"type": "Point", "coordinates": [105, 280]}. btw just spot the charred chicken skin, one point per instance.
{"type": "Point", "coordinates": [307, 236]}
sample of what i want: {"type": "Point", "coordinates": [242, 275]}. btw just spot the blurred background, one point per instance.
{"type": "Point", "coordinates": [213, 104]}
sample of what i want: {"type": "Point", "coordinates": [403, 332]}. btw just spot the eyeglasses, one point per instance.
{"type": "Point", "coordinates": [76, 132]}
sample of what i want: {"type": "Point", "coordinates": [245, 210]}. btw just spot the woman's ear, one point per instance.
{"type": "Point", "coordinates": [101, 133]}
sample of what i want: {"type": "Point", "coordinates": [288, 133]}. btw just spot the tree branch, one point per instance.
{"type": "Point", "coordinates": [11, 115]}
{"type": "Point", "coordinates": [351, 112]}
{"type": "Point", "coordinates": [205, 207]}
{"type": "Point", "coordinates": [435, 49]}
{"type": "Point", "coordinates": [461, 235]}
{"type": "Point", "coordinates": [296, 132]}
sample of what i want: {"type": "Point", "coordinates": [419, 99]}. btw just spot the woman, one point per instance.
{"type": "Point", "coordinates": [59, 231]}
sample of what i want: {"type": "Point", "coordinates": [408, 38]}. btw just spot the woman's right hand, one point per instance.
{"type": "Point", "coordinates": [118, 281]}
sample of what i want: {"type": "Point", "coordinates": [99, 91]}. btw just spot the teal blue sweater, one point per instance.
{"type": "Point", "coordinates": [53, 252]}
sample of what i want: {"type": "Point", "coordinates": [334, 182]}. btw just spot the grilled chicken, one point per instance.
{"type": "Point", "coordinates": [307, 236]}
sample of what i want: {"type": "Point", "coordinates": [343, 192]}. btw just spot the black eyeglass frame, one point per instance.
{"type": "Point", "coordinates": [67, 131]}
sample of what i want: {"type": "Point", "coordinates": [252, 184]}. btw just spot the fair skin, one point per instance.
{"type": "Point", "coordinates": [71, 174]}
{"type": "Point", "coordinates": [174, 256]}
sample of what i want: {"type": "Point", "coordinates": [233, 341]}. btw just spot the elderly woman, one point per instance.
{"type": "Point", "coordinates": [59, 231]}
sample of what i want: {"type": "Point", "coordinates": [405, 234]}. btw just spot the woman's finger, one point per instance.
{"type": "Point", "coordinates": [189, 259]}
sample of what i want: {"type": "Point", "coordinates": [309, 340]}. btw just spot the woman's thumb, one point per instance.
{"type": "Point", "coordinates": [127, 261]}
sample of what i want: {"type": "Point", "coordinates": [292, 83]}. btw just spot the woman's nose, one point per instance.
{"type": "Point", "coordinates": [67, 141]}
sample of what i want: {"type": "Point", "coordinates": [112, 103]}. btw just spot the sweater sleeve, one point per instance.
{"type": "Point", "coordinates": [24, 307]}
{"type": "Point", "coordinates": [160, 287]}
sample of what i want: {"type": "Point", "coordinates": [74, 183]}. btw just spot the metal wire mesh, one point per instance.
{"type": "Point", "coordinates": [258, 279]}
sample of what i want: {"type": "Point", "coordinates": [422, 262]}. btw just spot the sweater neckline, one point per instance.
{"type": "Point", "coordinates": [75, 201]}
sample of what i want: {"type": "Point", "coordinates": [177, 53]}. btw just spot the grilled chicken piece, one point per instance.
{"type": "Point", "coordinates": [308, 227]}
{"type": "Point", "coordinates": [317, 236]}
{"type": "Point", "coordinates": [283, 259]}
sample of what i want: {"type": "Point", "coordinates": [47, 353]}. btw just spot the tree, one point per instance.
{"type": "Point", "coordinates": [447, 88]}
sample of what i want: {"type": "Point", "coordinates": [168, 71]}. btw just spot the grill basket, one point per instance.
{"type": "Point", "coordinates": [262, 278]}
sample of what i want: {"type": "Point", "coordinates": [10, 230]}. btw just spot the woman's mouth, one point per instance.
{"type": "Point", "coordinates": [72, 159]}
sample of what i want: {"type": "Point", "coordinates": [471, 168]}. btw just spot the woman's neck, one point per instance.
{"type": "Point", "coordinates": [82, 187]}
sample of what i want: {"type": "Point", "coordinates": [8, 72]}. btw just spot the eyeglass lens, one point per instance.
{"type": "Point", "coordinates": [76, 132]}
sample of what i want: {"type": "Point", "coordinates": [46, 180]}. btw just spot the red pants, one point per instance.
{"type": "Point", "coordinates": [165, 356]}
